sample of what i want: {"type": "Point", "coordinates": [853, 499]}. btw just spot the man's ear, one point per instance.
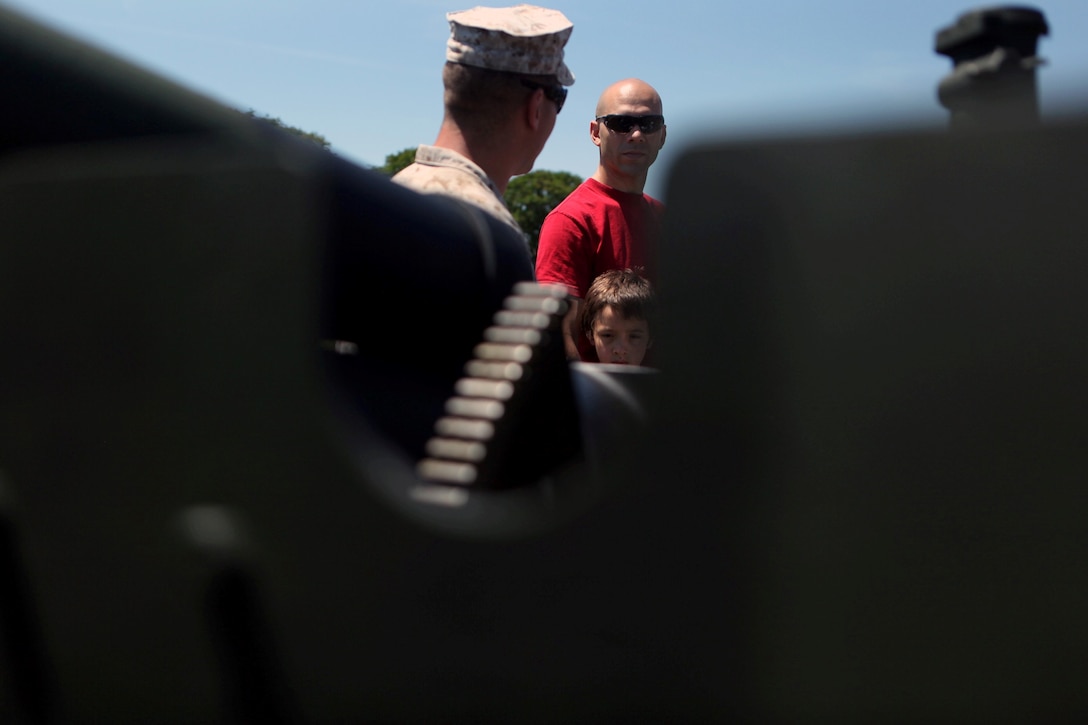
{"type": "Point", "coordinates": [595, 132]}
{"type": "Point", "coordinates": [534, 108]}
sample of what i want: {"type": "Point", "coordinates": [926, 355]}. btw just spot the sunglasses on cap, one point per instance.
{"type": "Point", "coordinates": [555, 94]}
{"type": "Point", "coordinates": [623, 124]}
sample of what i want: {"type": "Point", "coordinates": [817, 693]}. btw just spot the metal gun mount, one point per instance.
{"type": "Point", "coordinates": [230, 491]}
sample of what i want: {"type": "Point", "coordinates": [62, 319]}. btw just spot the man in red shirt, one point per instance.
{"type": "Point", "coordinates": [608, 222]}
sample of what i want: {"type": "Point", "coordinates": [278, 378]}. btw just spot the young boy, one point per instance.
{"type": "Point", "coordinates": [616, 316]}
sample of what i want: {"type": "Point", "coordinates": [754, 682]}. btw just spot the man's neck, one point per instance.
{"type": "Point", "coordinates": [620, 182]}
{"type": "Point", "coordinates": [485, 155]}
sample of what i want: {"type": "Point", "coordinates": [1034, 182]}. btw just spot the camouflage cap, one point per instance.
{"type": "Point", "coordinates": [520, 39]}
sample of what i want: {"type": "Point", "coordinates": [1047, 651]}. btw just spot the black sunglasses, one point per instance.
{"type": "Point", "coordinates": [555, 94]}
{"type": "Point", "coordinates": [624, 124]}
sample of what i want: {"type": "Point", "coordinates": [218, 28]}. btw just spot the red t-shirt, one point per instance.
{"type": "Point", "coordinates": [595, 229]}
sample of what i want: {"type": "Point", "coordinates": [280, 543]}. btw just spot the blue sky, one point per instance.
{"type": "Point", "coordinates": [366, 74]}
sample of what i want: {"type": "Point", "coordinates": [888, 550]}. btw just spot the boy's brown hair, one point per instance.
{"type": "Point", "coordinates": [625, 289]}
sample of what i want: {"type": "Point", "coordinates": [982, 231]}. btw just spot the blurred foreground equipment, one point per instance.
{"type": "Point", "coordinates": [853, 493]}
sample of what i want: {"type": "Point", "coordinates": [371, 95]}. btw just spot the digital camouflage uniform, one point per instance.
{"type": "Point", "coordinates": [442, 171]}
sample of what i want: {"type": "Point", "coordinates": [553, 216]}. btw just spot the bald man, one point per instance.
{"type": "Point", "coordinates": [608, 222]}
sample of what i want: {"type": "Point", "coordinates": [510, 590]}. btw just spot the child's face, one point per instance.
{"type": "Point", "coordinates": [618, 339]}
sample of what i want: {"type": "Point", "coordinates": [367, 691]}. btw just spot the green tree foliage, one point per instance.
{"type": "Point", "coordinates": [531, 196]}
{"type": "Point", "coordinates": [396, 162]}
{"type": "Point", "coordinates": [308, 135]}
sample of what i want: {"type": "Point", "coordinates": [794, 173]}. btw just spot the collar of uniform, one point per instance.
{"type": "Point", "coordinates": [438, 156]}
